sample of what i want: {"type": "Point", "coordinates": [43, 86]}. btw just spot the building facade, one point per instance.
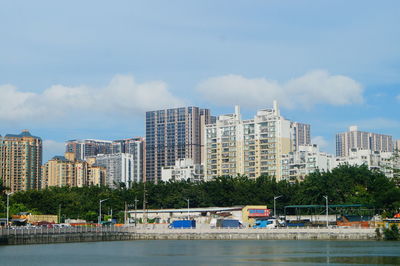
{"type": "Point", "coordinates": [88, 148]}
{"type": "Point", "coordinates": [21, 161]}
{"type": "Point", "coordinates": [184, 169]}
{"type": "Point", "coordinates": [375, 160]}
{"type": "Point", "coordinates": [397, 145]}
{"type": "Point", "coordinates": [119, 168]}
{"type": "Point", "coordinates": [251, 147]}
{"type": "Point", "coordinates": [306, 160]}
{"type": "Point", "coordinates": [67, 171]}
{"type": "Point", "coordinates": [355, 139]}
{"type": "Point", "coordinates": [173, 134]}
{"type": "Point", "coordinates": [137, 148]}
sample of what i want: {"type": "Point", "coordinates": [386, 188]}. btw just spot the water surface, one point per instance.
{"type": "Point", "coordinates": [205, 252]}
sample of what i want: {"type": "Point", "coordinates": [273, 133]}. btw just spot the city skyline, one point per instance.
{"type": "Point", "coordinates": [65, 76]}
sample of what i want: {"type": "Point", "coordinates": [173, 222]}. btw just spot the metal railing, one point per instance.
{"type": "Point", "coordinates": [63, 230]}
{"type": "Point", "coordinates": [163, 228]}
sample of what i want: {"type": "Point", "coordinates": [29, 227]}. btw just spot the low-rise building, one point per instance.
{"type": "Point", "coordinates": [306, 160]}
{"type": "Point", "coordinates": [375, 160]}
{"type": "Point", "coordinates": [184, 169]}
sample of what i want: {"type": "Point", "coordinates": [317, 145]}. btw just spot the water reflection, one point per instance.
{"type": "Point", "coordinates": [203, 252]}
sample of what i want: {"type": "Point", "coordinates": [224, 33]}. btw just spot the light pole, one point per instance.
{"type": "Point", "coordinates": [8, 206]}
{"type": "Point", "coordinates": [188, 200]}
{"type": "Point", "coordinates": [275, 198]}
{"type": "Point", "coordinates": [100, 201]}
{"type": "Point", "coordinates": [59, 213]}
{"type": "Point", "coordinates": [136, 201]}
{"type": "Point", "coordinates": [327, 222]}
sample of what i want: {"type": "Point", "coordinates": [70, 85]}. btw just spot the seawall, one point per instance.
{"type": "Point", "coordinates": [21, 237]}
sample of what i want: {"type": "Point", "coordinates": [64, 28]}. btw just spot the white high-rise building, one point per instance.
{"type": "Point", "coordinates": [304, 161]}
{"type": "Point", "coordinates": [375, 160]}
{"type": "Point", "coordinates": [120, 169]}
{"type": "Point", "coordinates": [184, 169]}
{"type": "Point", "coordinates": [251, 147]}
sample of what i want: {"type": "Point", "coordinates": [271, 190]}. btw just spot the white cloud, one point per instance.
{"type": "Point", "coordinates": [315, 87]}
{"type": "Point", "coordinates": [398, 97]}
{"type": "Point", "coordinates": [377, 123]}
{"type": "Point", "coordinates": [122, 95]}
{"type": "Point", "coordinates": [320, 141]}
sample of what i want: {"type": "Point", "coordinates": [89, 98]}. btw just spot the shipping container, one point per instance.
{"type": "Point", "coordinates": [228, 223]}
{"type": "Point", "coordinates": [186, 224]}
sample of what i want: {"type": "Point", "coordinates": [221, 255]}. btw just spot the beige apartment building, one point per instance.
{"type": "Point", "coordinates": [20, 161]}
{"type": "Point", "coordinates": [251, 147]}
{"type": "Point", "coordinates": [67, 171]}
{"type": "Point", "coordinates": [355, 139]}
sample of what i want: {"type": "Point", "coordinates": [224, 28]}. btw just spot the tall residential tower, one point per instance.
{"type": "Point", "coordinates": [354, 139]}
{"type": "Point", "coordinates": [173, 134]}
{"type": "Point", "coordinates": [21, 161]}
{"type": "Point", "coordinates": [252, 147]}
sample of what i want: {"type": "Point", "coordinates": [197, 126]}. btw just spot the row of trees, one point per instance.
{"type": "Point", "coordinates": [344, 185]}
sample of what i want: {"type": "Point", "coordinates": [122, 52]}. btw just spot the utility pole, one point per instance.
{"type": "Point", "coordinates": [275, 198]}
{"type": "Point", "coordinates": [100, 201]}
{"type": "Point", "coordinates": [8, 206]}
{"type": "Point", "coordinates": [136, 201]}
{"type": "Point", "coordinates": [144, 203]}
{"type": "Point", "coordinates": [327, 221]}
{"type": "Point", "coordinates": [188, 200]}
{"type": "Point", "coordinates": [126, 212]}
{"type": "Point", "coordinates": [59, 213]}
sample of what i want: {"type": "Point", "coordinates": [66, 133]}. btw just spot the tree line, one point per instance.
{"type": "Point", "coordinates": [343, 185]}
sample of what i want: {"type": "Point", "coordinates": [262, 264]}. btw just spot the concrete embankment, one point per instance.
{"type": "Point", "coordinates": [259, 234]}
{"type": "Point", "coordinates": [66, 235]}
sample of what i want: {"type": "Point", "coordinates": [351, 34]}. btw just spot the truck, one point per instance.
{"type": "Point", "coordinates": [266, 223]}
{"type": "Point", "coordinates": [229, 223]}
{"type": "Point", "coordinates": [182, 224]}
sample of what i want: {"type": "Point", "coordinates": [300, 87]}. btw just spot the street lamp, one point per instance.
{"type": "Point", "coordinates": [327, 222]}
{"type": "Point", "coordinates": [188, 200]}
{"type": "Point", "coordinates": [275, 198]}
{"type": "Point", "coordinates": [100, 201]}
{"type": "Point", "coordinates": [8, 205]}
{"type": "Point", "coordinates": [136, 201]}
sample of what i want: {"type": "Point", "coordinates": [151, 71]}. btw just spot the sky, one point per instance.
{"type": "Point", "coordinates": [91, 69]}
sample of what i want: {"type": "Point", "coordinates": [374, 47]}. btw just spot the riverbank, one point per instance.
{"type": "Point", "coordinates": [69, 235]}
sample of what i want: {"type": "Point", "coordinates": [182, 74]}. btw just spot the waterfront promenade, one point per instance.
{"type": "Point", "coordinates": [151, 232]}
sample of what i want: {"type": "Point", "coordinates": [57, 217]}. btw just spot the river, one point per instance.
{"type": "Point", "coordinates": [205, 252]}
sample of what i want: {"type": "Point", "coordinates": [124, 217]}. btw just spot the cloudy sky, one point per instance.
{"type": "Point", "coordinates": [90, 69]}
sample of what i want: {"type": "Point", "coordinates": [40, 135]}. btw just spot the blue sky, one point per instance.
{"type": "Point", "coordinates": [90, 69]}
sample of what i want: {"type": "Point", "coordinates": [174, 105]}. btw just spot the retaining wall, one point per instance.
{"type": "Point", "coordinates": [65, 236]}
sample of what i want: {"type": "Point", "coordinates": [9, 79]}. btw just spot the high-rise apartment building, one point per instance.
{"type": "Point", "coordinates": [21, 161]}
{"type": "Point", "coordinates": [397, 145]}
{"type": "Point", "coordinates": [119, 167]}
{"type": "Point", "coordinates": [302, 134]}
{"type": "Point", "coordinates": [251, 147]}
{"type": "Point", "coordinates": [87, 148]}
{"type": "Point", "coordinates": [173, 134]}
{"type": "Point", "coordinates": [67, 171]}
{"type": "Point", "coordinates": [354, 139]}
{"type": "Point", "coordinates": [304, 161]}
{"type": "Point", "coordinates": [136, 147]}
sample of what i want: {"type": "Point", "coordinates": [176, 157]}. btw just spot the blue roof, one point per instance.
{"type": "Point", "coordinates": [60, 158]}
{"type": "Point", "coordinates": [24, 133]}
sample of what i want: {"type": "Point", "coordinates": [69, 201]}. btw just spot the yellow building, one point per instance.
{"type": "Point", "coordinates": [67, 171]}
{"type": "Point", "coordinates": [20, 161]}
{"type": "Point", "coordinates": [251, 212]}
